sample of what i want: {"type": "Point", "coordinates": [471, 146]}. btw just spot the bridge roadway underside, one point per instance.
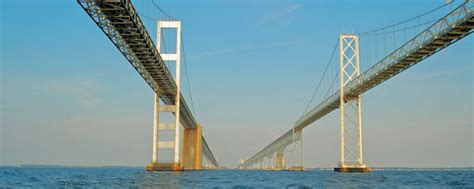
{"type": "Point", "coordinates": [120, 22]}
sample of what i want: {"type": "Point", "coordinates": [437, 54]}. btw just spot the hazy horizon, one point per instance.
{"type": "Point", "coordinates": [330, 167]}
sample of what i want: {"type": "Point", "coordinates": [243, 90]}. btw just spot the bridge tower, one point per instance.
{"type": "Point", "coordinates": [188, 156]}
{"type": "Point", "coordinates": [350, 108]}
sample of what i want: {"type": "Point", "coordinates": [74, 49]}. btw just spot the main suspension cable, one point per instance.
{"type": "Point", "coordinates": [405, 21]}
{"type": "Point", "coordinates": [322, 77]}
{"type": "Point", "coordinates": [187, 76]}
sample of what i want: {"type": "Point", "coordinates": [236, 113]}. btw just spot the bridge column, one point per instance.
{"type": "Point", "coordinates": [192, 148]}
{"type": "Point", "coordinates": [350, 108]}
{"type": "Point", "coordinates": [175, 57]}
{"type": "Point", "coordinates": [156, 117]}
{"type": "Point", "coordinates": [272, 163]}
{"type": "Point", "coordinates": [268, 164]}
{"type": "Point", "coordinates": [297, 142]}
{"type": "Point", "coordinates": [280, 160]}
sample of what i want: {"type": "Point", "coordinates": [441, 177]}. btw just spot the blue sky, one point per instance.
{"type": "Point", "coordinates": [69, 97]}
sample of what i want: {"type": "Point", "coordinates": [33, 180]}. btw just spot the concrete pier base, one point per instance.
{"type": "Point", "coordinates": [352, 169]}
{"type": "Point", "coordinates": [164, 167]}
{"type": "Point", "coordinates": [192, 148]}
{"type": "Point", "coordinates": [297, 168]}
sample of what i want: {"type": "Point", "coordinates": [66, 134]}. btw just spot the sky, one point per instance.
{"type": "Point", "coordinates": [68, 96]}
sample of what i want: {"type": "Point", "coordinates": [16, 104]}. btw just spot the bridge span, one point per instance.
{"type": "Point", "coordinates": [121, 23]}
{"type": "Point", "coordinates": [454, 26]}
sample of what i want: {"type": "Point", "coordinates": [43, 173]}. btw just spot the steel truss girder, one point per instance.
{"type": "Point", "coordinates": [145, 58]}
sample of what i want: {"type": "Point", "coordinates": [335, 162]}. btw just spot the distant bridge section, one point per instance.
{"type": "Point", "coordinates": [456, 25]}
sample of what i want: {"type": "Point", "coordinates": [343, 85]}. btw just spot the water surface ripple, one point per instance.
{"type": "Point", "coordinates": [36, 177]}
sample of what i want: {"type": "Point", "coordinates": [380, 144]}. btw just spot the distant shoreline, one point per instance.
{"type": "Point", "coordinates": [71, 166]}
{"type": "Point", "coordinates": [313, 168]}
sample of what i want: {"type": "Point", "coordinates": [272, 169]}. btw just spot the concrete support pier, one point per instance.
{"type": "Point", "coordinates": [280, 161]}
{"type": "Point", "coordinates": [352, 169]}
{"type": "Point", "coordinates": [164, 167]}
{"type": "Point", "coordinates": [192, 149]}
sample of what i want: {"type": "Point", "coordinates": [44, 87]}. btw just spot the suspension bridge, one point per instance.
{"type": "Point", "coordinates": [447, 30]}
{"type": "Point", "coordinates": [122, 24]}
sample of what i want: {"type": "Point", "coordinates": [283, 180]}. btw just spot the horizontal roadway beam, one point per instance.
{"type": "Point", "coordinates": [454, 26]}
{"type": "Point", "coordinates": [120, 22]}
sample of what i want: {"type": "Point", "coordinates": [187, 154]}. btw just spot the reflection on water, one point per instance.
{"type": "Point", "coordinates": [136, 177]}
